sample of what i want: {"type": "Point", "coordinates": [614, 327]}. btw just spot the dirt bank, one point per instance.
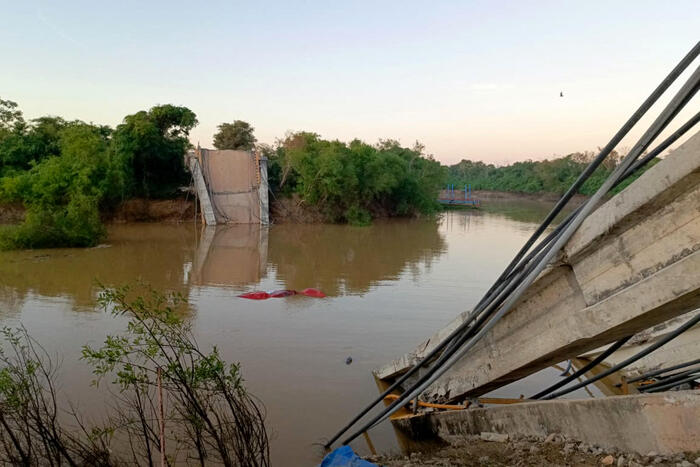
{"type": "Point", "coordinates": [133, 210]}
{"type": "Point", "coordinates": [293, 211]}
{"type": "Point", "coordinates": [531, 451]}
{"type": "Point", "coordinates": [152, 210]}
{"type": "Point", "coordinates": [11, 213]}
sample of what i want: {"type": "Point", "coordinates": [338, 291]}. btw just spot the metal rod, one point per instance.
{"type": "Point", "coordinates": [688, 324]}
{"type": "Point", "coordinates": [651, 374]}
{"type": "Point", "coordinates": [593, 363]}
{"type": "Point", "coordinates": [670, 379]}
{"type": "Point", "coordinates": [677, 383]}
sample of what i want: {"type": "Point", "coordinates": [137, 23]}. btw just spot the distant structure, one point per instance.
{"type": "Point", "coordinates": [459, 197]}
{"type": "Point", "coordinates": [231, 185]}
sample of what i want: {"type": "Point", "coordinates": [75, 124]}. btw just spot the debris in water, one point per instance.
{"type": "Point", "coordinates": [312, 293]}
{"type": "Point", "coordinates": [255, 295]}
{"type": "Point", "coordinates": [260, 295]}
{"type": "Point", "coordinates": [282, 293]}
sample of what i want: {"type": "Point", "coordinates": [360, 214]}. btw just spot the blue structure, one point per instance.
{"type": "Point", "coordinates": [450, 198]}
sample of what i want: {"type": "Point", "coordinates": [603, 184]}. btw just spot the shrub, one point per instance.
{"type": "Point", "coordinates": [206, 415]}
{"type": "Point", "coordinates": [149, 147]}
{"type": "Point", "coordinates": [65, 173]}
{"type": "Point", "coordinates": [356, 181]}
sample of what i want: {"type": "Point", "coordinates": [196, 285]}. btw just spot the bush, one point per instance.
{"type": "Point", "coordinates": [66, 173]}
{"type": "Point", "coordinates": [63, 193]}
{"type": "Point", "coordinates": [207, 416]}
{"type": "Point", "coordinates": [357, 181]}
{"type": "Point", "coordinates": [149, 148]}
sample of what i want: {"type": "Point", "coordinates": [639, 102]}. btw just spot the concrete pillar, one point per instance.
{"type": "Point", "coordinates": [262, 193]}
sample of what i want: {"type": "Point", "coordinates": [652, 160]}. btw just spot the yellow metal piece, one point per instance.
{"type": "Point", "coordinates": [482, 400]}
{"type": "Point", "coordinates": [392, 397]}
{"type": "Point", "coordinates": [370, 445]}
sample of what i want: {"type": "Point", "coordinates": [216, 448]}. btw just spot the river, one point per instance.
{"type": "Point", "coordinates": [389, 286]}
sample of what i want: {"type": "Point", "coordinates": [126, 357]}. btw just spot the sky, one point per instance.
{"type": "Point", "coordinates": [468, 79]}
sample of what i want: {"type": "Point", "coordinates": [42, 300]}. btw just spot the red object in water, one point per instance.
{"type": "Point", "coordinates": [282, 293]}
{"type": "Point", "coordinates": [312, 293]}
{"type": "Point", "coordinates": [255, 295]}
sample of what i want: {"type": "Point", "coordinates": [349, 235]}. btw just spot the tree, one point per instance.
{"type": "Point", "coordinates": [150, 146]}
{"type": "Point", "coordinates": [10, 115]}
{"type": "Point", "coordinates": [236, 135]}
{"type": "Point", "coordinates": [63, 192]}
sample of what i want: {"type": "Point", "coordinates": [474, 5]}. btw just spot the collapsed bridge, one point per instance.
{"type": "Point", "coordinates": [584, 292]}
{"type": "Point", "coordinates": [231, 185]}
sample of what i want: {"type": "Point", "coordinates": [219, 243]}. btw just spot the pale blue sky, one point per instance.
{"type": "Point", "coordinates": [479, 80]}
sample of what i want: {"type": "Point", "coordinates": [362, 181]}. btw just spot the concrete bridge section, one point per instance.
{"type": "Point", "coordinates": [231, 186]}
{"type": "Point", "coordinates": [633, 263]}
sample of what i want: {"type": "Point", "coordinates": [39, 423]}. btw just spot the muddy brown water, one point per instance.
{"type": "Point", "coordinates": [389, 286]}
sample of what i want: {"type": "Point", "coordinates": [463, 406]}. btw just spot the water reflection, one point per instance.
{"type": "Point", "coordinates": [337, 259]}
{"type": "Point", "coordinates": [231, 255]}
{"type": "Point", "coordinates": [155, 253]}
{"type": "Point", "coordinates": [342, 260]}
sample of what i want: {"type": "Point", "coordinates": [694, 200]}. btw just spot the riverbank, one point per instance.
{"type": "Point", "coordinates": [283, 210]}
{"type": "Point", "coordinates": [504, 196]}
{"type": "Point", "coordinates": [132, 210]}
{"type": "Point", "coordinates": [491, 449]}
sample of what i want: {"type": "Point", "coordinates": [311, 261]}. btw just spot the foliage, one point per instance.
{"type": "Point", "coordinates": [29, 409]}
{"type": "Point", "coordinates": [150, 147]}
{"type": "Point", "coordinates": [65, 173]}
{"type": "Point", "coordinates": [24, 144]}
{"type": "Point", "coordinates": [215, 419]}
{"type": "Point", "coordinates": [207, 416]}
{"type": "Point", "coordinates": [236, 135]}
{"type": "Point", "coordinates": [63, 192]}
{"type": "Point", "coordinates": [10, 116]}
{"type": "Point", "coordinates": [357, 181]}
{"type": "Point", "coordinates": [553, 176]}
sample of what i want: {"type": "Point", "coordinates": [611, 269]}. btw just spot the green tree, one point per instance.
{"type": "Point", "coordinates": [10, 116]}
{"type": "Point", "coordinates": [63, 193]}
{"type": "Point", "coordinates": [355, 182]}
{"type": "Point", "coordinates": [150, 148]}
{"type": "Point", "coordinates": [236, 135]}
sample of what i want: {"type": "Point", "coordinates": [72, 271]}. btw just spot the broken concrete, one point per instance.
{"type": "Point", "coordinates": [667, 423]}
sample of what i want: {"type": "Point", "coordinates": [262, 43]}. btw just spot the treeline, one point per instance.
{"type": "Point", "coordinates": [354, 182]}
{"type": "Point", "coordinates": [551, 176]}
{"type": "Point", "coordinates": [66, 172]}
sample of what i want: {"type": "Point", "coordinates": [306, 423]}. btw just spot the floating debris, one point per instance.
{"type": "Point", "coordinates": [260, 295]}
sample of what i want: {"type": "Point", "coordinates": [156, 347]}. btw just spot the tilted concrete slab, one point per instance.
{"type": "Point", "coordinates": [633, 263]}
{"type": "Point", "coordinates": [666, 423]}
{"type": "Point", "coordinates": [201, 187]}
